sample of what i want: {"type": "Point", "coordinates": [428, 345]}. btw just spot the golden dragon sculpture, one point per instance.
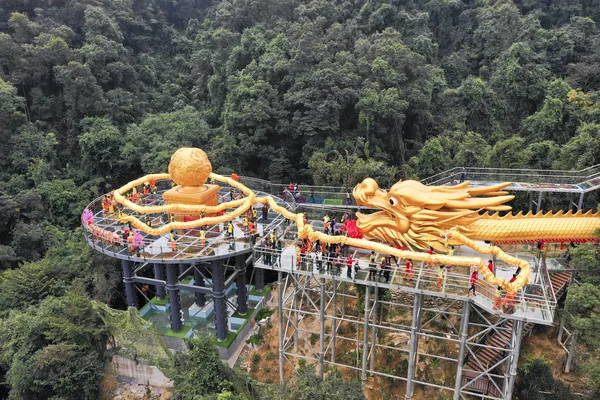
{"type": "Point", "coordinates": [417, 216]}
{"type": "Point", "coordinates": [411, 214]}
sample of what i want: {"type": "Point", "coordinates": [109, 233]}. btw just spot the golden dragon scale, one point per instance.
{"type": "Point", "coordinates": [530, 227]}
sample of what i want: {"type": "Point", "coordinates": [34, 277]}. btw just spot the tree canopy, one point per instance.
{"type": "Point", "coordinates": [95, 93]}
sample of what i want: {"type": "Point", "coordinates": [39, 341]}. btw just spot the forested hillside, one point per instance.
{"type": "Point", "coordinates": [95, 92]}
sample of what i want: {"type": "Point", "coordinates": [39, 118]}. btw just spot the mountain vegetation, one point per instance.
{"type": "Point", "coordinates": [96, 92]}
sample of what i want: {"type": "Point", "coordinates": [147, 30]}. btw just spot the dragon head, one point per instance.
{"type": "Point", "coordinates": [416, 216]}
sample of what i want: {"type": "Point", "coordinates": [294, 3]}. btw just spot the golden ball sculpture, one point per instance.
{"type": "Point", "coordinates": [189, 166]}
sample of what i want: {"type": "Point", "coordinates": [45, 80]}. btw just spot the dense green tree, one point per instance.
{"type": "Point", "coordinates": [100, 145]}
{"type": "Point", "coordinates": [94, 93]}
{"type": "Point", "coordinates": [53, 350]}
{"type": "Point", "coordinates": [198, 373]}
{"type": "Point", "coordinates": [307, 385]}
{"type": "Point", "coordinates": [536, 382]}
{"type": "Point", "coordinates": [518, 80]}
{"type": "Point", "coordinates": [581, 150]}
{"type": "Point", "coordinates": [432, 159]}
{"type": "Point", "coordinates": [151, 143]}
{"type": "Point", "coordinates": [509, 153]}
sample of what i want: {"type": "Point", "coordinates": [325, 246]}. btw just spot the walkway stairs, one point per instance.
{"type": "Point", "coordinates": [499, 339]}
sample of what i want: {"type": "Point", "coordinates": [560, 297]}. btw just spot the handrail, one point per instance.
{"type": "Point", "coordinates": [527, 175]}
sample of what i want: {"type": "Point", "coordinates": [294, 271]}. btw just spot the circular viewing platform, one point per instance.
{"type": "Point", "coordinates": [109, 235]}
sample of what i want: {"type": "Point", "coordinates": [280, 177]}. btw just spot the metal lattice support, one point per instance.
{"type": "Point", "coordinates": [464, 333]}
{"type": "Point", "coordinates": [174, 302]}
{"type": "Point", "coordinates": [199, 281]}
{"type": "Point", "coordinates": [414, 343]}
{"type": "Point", "coordinates": [312, 327]}
{"type": "Point", "coordinates": [159, 275]}
{"type": "Point", "coordinates": [242, 291]}
{"type": "Point", "coordinates": [130, 295]}
{"type": "Point", "coordinates": [511, 368]}
{"type": "Point", "coordinates": [218, 294]}
{"type": "Point", "coordinates": [259, 279]}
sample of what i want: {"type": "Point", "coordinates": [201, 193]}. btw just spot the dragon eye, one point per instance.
{"type": "Point", "coordinates": [393, 201]}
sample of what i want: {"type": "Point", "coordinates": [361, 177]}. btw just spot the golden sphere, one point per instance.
{"type": "Point", "coordinates": [189, 166]}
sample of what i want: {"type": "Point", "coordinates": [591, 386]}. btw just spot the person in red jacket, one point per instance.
{"type": "Point", "coordinates": [408, 270]}
{"type": "Point", "coordinates": [472, 282]}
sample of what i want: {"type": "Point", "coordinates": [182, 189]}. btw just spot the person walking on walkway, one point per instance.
{"type": "Point", "coordinates": [408, 270]}
{"type": "Point", "coordinates": [349, 262]}
{"type": "Point", "coordinates": [472, 282]}
{"type": "Point", "coordinates": [441, 276]}
{"type": "Point", "coordinates": [498, 298]}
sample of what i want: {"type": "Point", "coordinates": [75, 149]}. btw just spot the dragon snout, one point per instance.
{"type": "Point", "coordinates": [368, 187]}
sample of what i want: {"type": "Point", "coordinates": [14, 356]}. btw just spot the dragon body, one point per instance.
{"type": "Point", "coordinates": [530, 227]}
{"type": "Point", "coordinates": [417, 216]}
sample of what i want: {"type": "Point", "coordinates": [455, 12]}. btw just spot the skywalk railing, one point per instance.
{"type": "Point", "coordinates": [188, 243]}
{"type": "Point", "coordinates": [532, 303]}
{"type": "Point", "coordinates": [538, 176]}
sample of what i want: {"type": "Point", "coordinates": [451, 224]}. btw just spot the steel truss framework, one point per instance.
{"type": "Point", "coordinates": [329, 322]}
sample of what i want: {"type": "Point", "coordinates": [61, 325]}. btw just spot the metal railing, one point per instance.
{"type": "Point", "coordinates": [532, 303]}
{"type": "Point", "coordinates": [188, 243]}
{"type": "Point", "coordinates": [537, 176]}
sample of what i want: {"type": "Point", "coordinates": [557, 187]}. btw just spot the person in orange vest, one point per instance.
{"type": "Point", "coordinates": [111, 204]}
{"type": "Point", "coordinates": [408, 270]}
{"type": "Point", "coordinates": [202, 237]}
{"type": "Point", "coordinates": [498, 298]}
{"type": "Point", "coordinates": [130, 242]}
{"type": "Point", "coordinates": [252, 227]}
{"type": "Point", "coordinates": [441, 275]}
{"type": "Point", "coordinates": [105, 204]}
{"type": "Point", "coordinates": [134, 195]}
{"type": "Point", "coordinates": [509, 300]}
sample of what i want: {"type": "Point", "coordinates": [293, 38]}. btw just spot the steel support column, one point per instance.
{"type": "Point", "coordinates": [333, 321]}
{"type": "Point", "coordinates": [563, 320]}
{"type": "Point", "coordinates": [513, 359]}
{"type": "Point", "coordinates": [539, 202]}
{"type": "Point", "coordinates": [218, 294]}
{"type": "Point", "coordinates": [294, 313]}
{"type": "Point", "coordinates": [173, 291]}
{"type": "Point", "coordinates": [580, 202]}
{"type": "Point", "coordinates": [159, 275]}
{"type": "Point", "coordinates": [414, 341]}
{"type": "Point", "coordinates": [373, 328]}
{"type": "Point", "coordinates": [259, 278]}
{"type": "Point", "coordinates": [182, 268]}
{"type": "Point", "coordinates": [199, 281]}
{"type": "Point", "coordinates": [463, 335]}
{"type": "Point", "coordinates": [280, 317]}
{"type": "Point", "coordinates": [344, 299]}
{"type": "Point", "coordinates": [242, 291]}
{"type": "Point", "coordinates": [130, 295]}
{"type": "Point", "coordinates": [322, 329]}
{"type": "Point", "coordinates": [363, 374]}
{"type": "Point", "coordinates": [571, 351]}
